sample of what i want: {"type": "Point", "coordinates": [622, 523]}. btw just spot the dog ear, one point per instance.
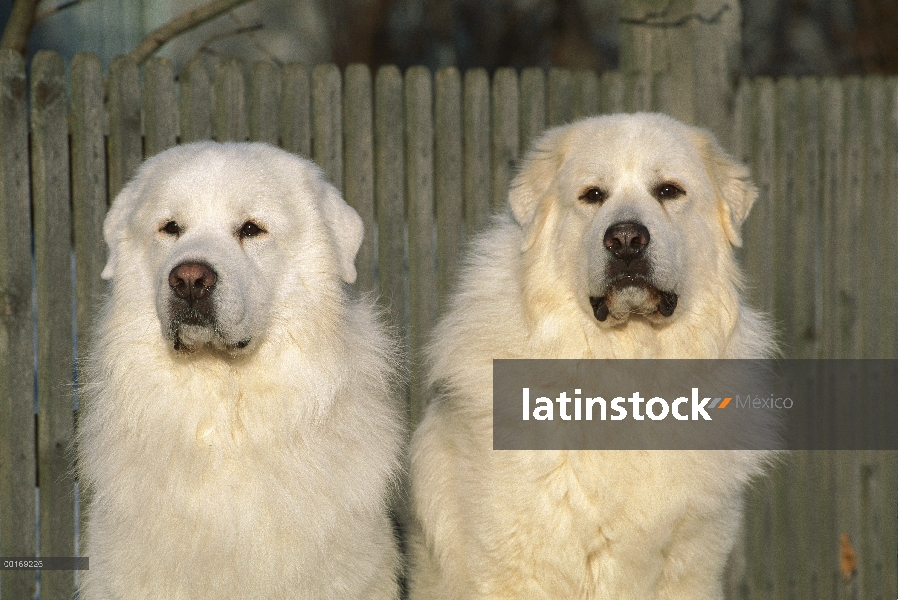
{"type": "Point", "coordinates": [346, 229]}
{"type": "Point", "coordinates": [732, 184]}
{"type": "Point", "coordinates": [116, 222]}
{"type": "Point", "coordinates": [535, 179]}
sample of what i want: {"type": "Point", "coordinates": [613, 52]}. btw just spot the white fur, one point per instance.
{"type": "Point", "coordinates": [586, 524]}
{"type": "Point", "coordinates": [226, 472]}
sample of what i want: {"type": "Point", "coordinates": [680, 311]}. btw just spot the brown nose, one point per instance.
{"type": "Point", "coordinates": [192, 281]}
{"type": "Point", "coordinates": [626, 241]}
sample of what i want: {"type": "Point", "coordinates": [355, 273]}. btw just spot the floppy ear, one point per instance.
{"type": "Point", "coordinates": [533, 183]}
{"type": "Point", "coordinates": [115, 223]}
{"type": "Point", "coordinates": [732, 184]}
{"type": "Point", "coordinates": [346, 229]}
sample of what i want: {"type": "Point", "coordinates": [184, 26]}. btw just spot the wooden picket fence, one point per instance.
{"type": "Point", "coordinates": [425, 159]}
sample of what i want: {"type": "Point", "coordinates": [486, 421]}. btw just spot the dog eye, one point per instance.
{"type": "Point", "coordinates": [593, 196]}
{"type": "Point", "coordinates": [171, 228]}
{"type": "Point", "coordinates": [667, 191]}
{"type": "Point", "coordinates": [249, 229]}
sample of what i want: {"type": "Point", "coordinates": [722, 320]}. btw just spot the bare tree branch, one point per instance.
{"type": "Point", "coordinates": [59, 7]}
{"type": "Point", "coordinates": [204, 47]}
{"type": "Point", "coordinates": [179, 25]}
{"type": "Point", "coordinates": [254, 40]}
{"type": "Point", "coordinates": [15, 35]}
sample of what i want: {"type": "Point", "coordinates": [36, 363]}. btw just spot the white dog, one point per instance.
{"type": "Point", "coordinates": [618, 245]}
{"type": "Point", "coordinates": [237, 435]}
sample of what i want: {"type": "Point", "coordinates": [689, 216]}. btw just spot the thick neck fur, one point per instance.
{"type": "Point", "coordinates": [206, 416]}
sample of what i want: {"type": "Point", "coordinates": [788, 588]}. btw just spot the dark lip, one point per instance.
{"type": "Point", "coordinates": [629, 279]}
{"type": "Point", "coordinates": [232, 349]}
{"type": "Point", "coordinates": [667, 301]}
{"type": "Point", "coordinates": [599, 307]}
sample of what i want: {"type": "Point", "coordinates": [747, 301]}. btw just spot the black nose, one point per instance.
{"type": "Point", "coordinates": [192, 281]}
{"type": "Point", "coordinates": [626, 241]}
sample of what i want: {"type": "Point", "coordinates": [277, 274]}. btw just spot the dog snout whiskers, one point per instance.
{"type": "Point", "coordinates": [626, 241]}
{"type": "Point", "coordinates": [192, 281]}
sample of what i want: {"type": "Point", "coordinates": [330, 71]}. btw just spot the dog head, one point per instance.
{"type": "Point", "coordinates": [227, 236]}
{"type": "Point", "coordinates": [633, 212]}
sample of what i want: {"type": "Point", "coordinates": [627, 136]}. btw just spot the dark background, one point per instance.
{"type": "Point", "coordinates": [789, 37]}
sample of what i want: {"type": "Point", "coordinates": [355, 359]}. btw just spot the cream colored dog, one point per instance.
{"type": "Point", "coordinates": [619, 244]}
{"type": "Point", "coordinates": [237, 434]}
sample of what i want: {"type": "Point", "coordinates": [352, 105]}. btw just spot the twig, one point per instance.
{"type": "Point", "coordinates": [204, 47]}
{"type": "Point", "coordinates": [185, 22]}
{"type": "Point", "coordinates": [59, 7]}
{"type": "Point", "coordinates": [651, 19]}
{"type": "Point", "coordinates": [255, 42]}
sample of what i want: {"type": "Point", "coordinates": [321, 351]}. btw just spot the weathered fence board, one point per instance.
{"type": "Point", "coordinates": [88, 164]}
{"type": "Point", "coordinates": [125, 143]}
{"type": "Point", "coordinates": [505, 128]}
{"type": "Point", "coordinates": [476, 139]}
{"type": "Point", "coordinates": [55, 358]}
{"type": "Point", "coordinates": [850, 215]}
{"type": "Point", "coordinates": [296, 134]}
{"type": "Point", "coordinates": [426, 159]}
{"type": "Point", "coordinates": [533, 105]}
{"type": "Point", "coordinates": [560, 97]}
{"type": "Point", "coordinates": [808, 563]}
{"type": "Point", "coordinates": [358, 180]}
{"type": "Point", "coordinates": [663, 99]}
{"type": "Point", "coordinates": [613, 92]}
{"type": "Point", "coordinates": [790, 242]}
{"type": "Point", "coordinates": [17, 448]}
{"type": "Point", "coordinates": [586, 94]}
{"type": "Point", "coordinates": [803, 331]}
{"type": "Point", "coordinates": [264, 93]}
{"type": "Point", "coordinates": [195, 102]}
{"type": "Point", "coordinates": [160, 112]}
{"type": "Point", "coordinates": [230, 118]}
{"type": "Point", "coordinates": [889, 346]}
{"type": "Point", "coordinates": [327, 122]}
{"type": "Point", "coordinates": [448, 182]}
{"type": "Point", "coordinates": [761, 228]}
{"type": "Point", "coordinates": [883, 519]}
{"type": "Point", "coordinates": [389, 174]}
{"type": "Point", "coordinates": [874, 120]}
{"type": "Point", "coordinates": [422, 276]}
{"type": "Point", "coordinates": [639, 98]}
{"type": "Point", "coordinates": [878, 292]}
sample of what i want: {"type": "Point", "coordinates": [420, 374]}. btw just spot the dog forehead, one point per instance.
{"type": "Point", "coordinates": [639, 144]}
{"type": "Point", "coordinates": [214, 185]}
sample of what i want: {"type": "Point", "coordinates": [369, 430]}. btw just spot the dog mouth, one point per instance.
{"type": "Point", "coordinates": [183, 348]}
{"type": "Point", "coordinates": [193, 320]}
{"type": "Point", "coordinates": [189, 337]}
{"type": "Point", "coordinates": [629, 293]}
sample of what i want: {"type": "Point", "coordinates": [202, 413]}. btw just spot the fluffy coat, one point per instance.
{"type": "Point", "coordinates": [609, 525]}
{"type": "Point", "coordinates": [253, 460]}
